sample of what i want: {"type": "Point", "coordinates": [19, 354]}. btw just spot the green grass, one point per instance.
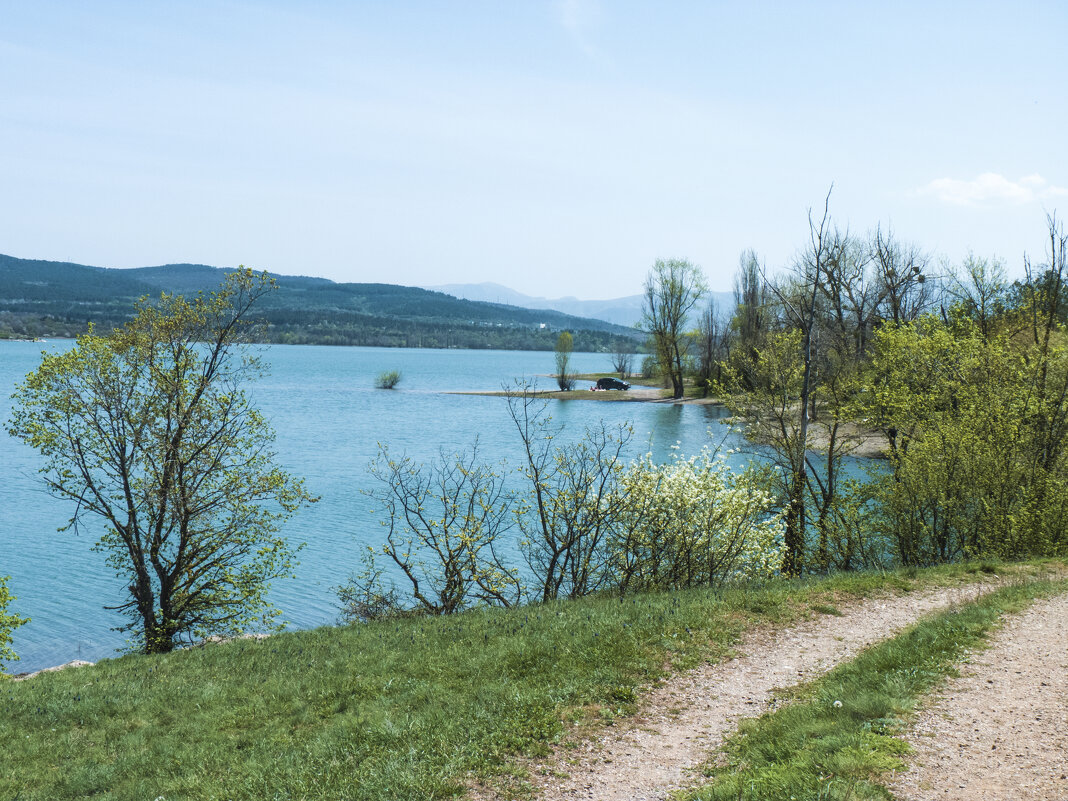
{"type": "Point", "coordinates": [405, 709]}
{"type": "Point", "coordinates": [838, 736]}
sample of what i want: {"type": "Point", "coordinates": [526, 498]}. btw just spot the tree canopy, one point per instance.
{"type": "Point", "coordinates": [149, 431]}
{"type": "Point", "coordinates": [672, 288]}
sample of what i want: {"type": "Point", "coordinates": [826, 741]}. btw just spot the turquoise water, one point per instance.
{"type": "Point", "coordinates": [329, 419]}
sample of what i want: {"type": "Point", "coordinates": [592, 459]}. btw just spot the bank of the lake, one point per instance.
{"type": "Point", "coordinates": [329, 419]}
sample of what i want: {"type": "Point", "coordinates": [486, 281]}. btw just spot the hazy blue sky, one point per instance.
{"type": "Point", "coordinates": [555, 147]}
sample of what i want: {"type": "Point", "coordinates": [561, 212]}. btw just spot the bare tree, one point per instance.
{"type": "Point", "coordinates": [623, 358]}
{"type": "Point", "coordinates": [798, 304]}
{"type": "Point", "coordinates": [571, 505]}
{"type": "Point", "coordinates": [1046, 303]}
{"type": "Point", "coordinates": [1047, 294]}
{"type": "Point", "coordinates": [713, 345]}
{"type": "Point", "coordinates": [982, 291]}
{"type": "Point", "coordinates": [905, 293]}
{"type": "Point", "coordinates": [443, 521]}
{"type": "Point", "coordinates": [849, 297]}
{"type": "Point", "coordinates": [750, 302]}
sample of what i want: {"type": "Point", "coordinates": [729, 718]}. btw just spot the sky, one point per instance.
{"type": "Point", "coordinates": [558, 148]}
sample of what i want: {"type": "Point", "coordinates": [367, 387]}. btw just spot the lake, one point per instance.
{"type": "Point", "coordinates": [329, 419]}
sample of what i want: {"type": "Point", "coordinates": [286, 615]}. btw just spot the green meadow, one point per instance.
{"type": "Point", "coordinates": [408, 708]}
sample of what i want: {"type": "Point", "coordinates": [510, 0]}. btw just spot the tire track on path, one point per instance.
{"type": "Point", "coordinates": [1000, 730]}
{"type": "Point", "coordinates": [686, 717]}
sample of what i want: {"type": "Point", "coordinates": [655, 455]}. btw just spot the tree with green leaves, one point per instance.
{"type": "Point", "coordinates": [974, 471]}
{"type": "Point", "coordinates": [565, 343]}
{"type": "Point", "coordinates": [149, 431]}
{"type": "Point", "coordinates": [8, 622]}
{"type": "Point", "coordinates": [672, 289]}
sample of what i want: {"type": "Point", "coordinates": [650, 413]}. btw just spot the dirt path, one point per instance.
{"type": "Point", "coordinates": [687, 717]}
{"type": "Point", "coordinates": [1000, 730]}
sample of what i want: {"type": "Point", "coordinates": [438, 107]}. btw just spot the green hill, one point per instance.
{"type": "Point", "coordinates": [43, 298]}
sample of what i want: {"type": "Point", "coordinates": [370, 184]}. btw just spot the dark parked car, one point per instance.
{"type": "Point", "coordinates": [611, 383]}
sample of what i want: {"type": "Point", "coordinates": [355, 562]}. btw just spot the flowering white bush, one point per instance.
{"type": "Point", "coordinates": [693, 522]}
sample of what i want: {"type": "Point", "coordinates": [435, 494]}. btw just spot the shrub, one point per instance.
{"type": "Point", "coordinates": [388, 380]}
{"type": "Point", "coordinates": [693, 522]}
{"type": "Point", "coordinates": [443, 519]}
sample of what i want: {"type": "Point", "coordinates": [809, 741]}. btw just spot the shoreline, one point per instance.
{"type": "Point", "coordinates": [865, 444]}
{"type": "Point", "coordinates": [638, 393]}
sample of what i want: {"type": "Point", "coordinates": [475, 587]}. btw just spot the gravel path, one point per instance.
{"type": "Point", "coordinates": [1000, 730]}
{"type": "Point", "coordinates": [686, 718]}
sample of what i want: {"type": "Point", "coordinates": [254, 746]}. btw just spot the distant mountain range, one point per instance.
{"type": "Point", "coordinates": [45, 298]}
{"type": "Point", "coordinates": [626, 311]}
{"type": "Point", "coordinates": [621, 311]}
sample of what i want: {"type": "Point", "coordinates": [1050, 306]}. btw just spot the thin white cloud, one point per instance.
{"type": "Point", "coordinates": [579, 18]}
{"type": "Point", "coordinates": [991, 189]}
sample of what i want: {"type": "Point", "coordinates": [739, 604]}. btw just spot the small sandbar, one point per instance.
{"type": "Point", "coordinates": [635, 394]}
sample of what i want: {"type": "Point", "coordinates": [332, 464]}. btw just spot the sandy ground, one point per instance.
{"type": "Point", "coordinates": [687, 717]}
{"type": "Point", "coordinates": [861, 442]}
{"type": "Point", "coordinates": [1000, 730]}
{"type": "Point", "coordinates": [636, 393]}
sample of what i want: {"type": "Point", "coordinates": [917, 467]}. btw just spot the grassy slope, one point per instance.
{"type": "Point", "coordinates": [403, 709]}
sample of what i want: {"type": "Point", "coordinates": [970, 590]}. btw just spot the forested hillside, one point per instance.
{"type": "Point", "coordinates": [44, 298]}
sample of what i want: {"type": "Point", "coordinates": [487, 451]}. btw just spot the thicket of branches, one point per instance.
{"type": "Point", "coordinates": [960, 375]}
{"type": "Point", "coordinates": [577, 520]}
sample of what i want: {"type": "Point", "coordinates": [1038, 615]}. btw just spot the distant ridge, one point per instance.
{"type": "Point", "coordinates": [621, 311]}
{"type": "Point", "coordinates": [625, 311]}
{"type": "Point", "coordinates": [45, 298]}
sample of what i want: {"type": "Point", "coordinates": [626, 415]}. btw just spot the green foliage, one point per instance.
{"type": "Point", "coordinates": [149, 431]}
{"type": "Point", "coordinates": [977, 426]}
{"type": "Point", "coordinates": [838, 735]}
{"type": "Point", "coordinates": [40, 298]}
{"type": "Point", "coordinates": [565, 344]}
{"type": "Point", "coordinates": [672, 288]}
{"type": "Point", "coordinates": [587, 524]}
{"type": "Point", "coordinates": [690, 523]}
{"type": "Point", "coordinates": [835, 509]}
{"type": "Point", "coordinates": [8, 622]}
{"type": "Point", "coordinates": [387, 379]}
{"type": "Point", "coordinates": [973, 405]}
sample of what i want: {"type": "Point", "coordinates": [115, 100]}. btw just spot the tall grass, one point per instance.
{"type": "Point", "coordinates": [400, 709]}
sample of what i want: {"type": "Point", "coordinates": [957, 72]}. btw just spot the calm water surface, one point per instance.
{"type": "Point", "coordinates": [329, 419]}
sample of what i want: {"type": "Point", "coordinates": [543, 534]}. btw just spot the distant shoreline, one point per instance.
{"type": "Point", "coordinates": [868, 444]}
{"type": "Point", "coordinates": [635, 394]}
